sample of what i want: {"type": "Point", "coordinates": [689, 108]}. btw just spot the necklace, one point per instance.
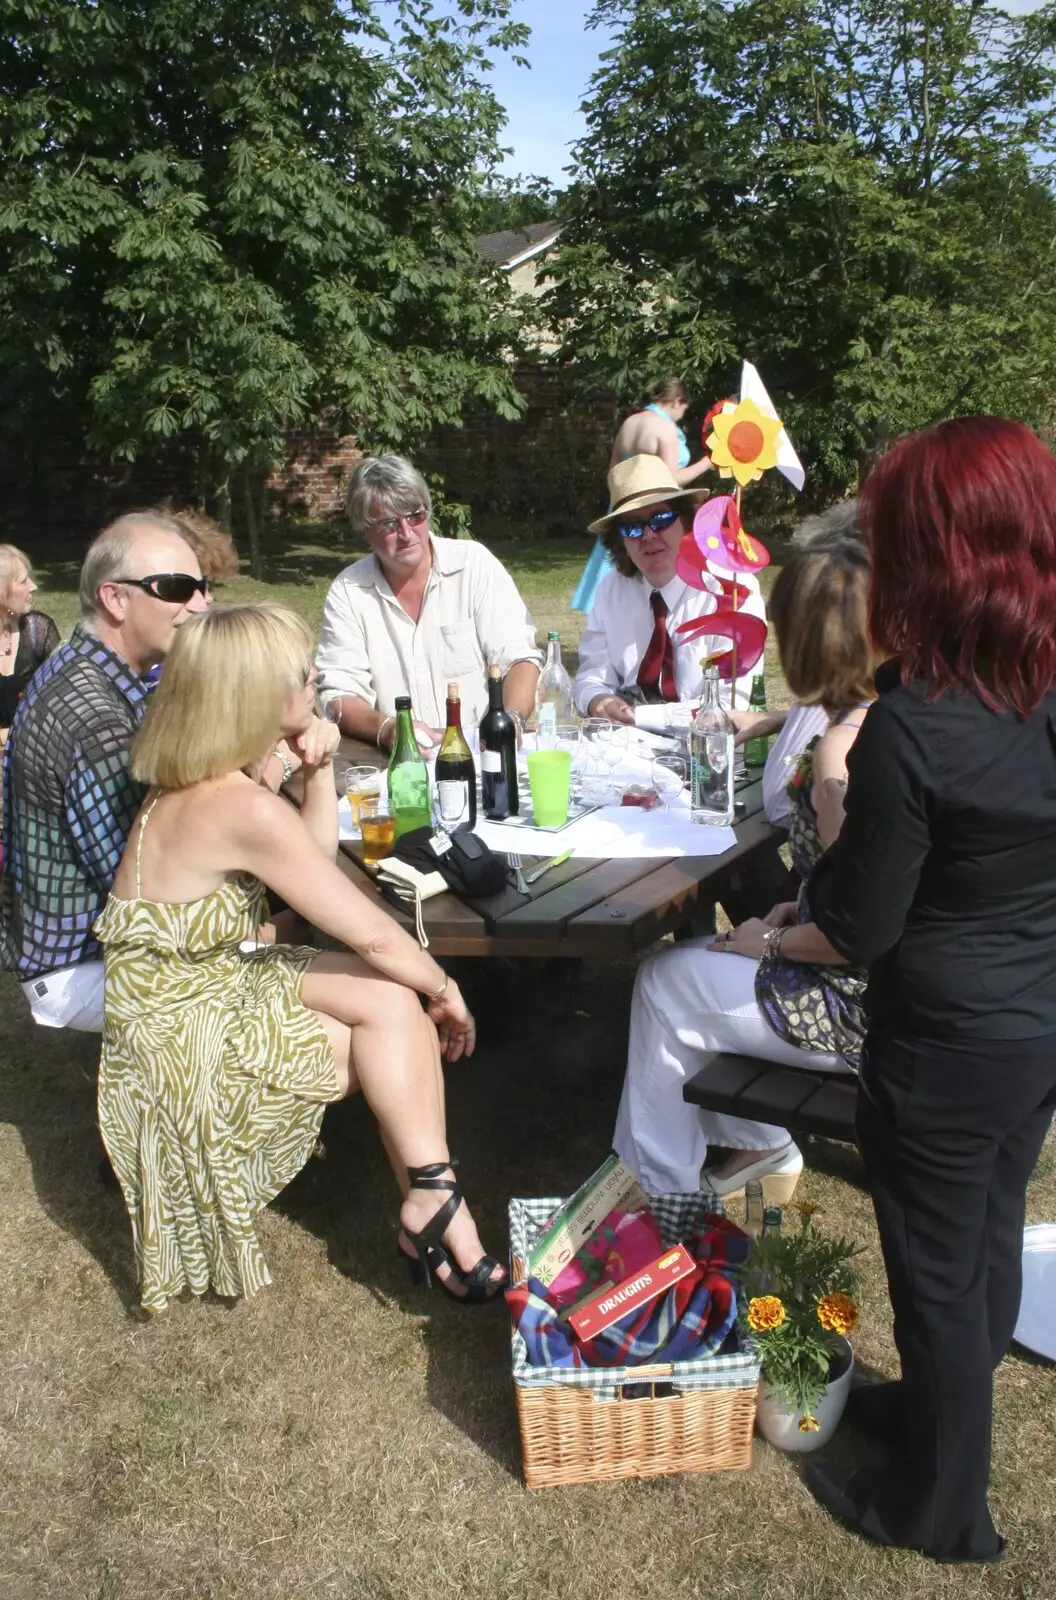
{"type": "Point", "coordinates": [10, 635]}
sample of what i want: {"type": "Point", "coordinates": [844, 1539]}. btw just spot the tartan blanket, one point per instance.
{"type": "Point", "coordinates": [692, 1318]}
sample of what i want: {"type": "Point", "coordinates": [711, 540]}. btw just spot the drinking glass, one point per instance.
{"type": "Point", "coordinates": [568, 736]}
{"type": "Point", "coordinates": [595, 783]}
{"type": "Point", "coordinates": [613, 741]}
{"type": "Point", "coordinates": [670, 776]}
{"type": "Point", "coordinates": [359, 784]}
{"type": "Point", "coordinates": [377, 829]}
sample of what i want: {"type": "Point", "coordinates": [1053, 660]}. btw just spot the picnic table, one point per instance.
{"type": "Point", "coordinates": [590, 908]}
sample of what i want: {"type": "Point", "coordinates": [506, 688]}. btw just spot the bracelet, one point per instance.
{"type": "Point", "coordinates": [381, 729]}
{"type": "Point", "coordinates": [772, 943]}
{"type": "Point", "coordinates": [439, 995]}
{"type": "Point", "coordinates": [286, 764]}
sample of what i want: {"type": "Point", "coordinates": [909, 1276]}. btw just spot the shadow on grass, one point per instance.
{"type": "Point", "coordinates": [47, 1093]}
{"type": "Point", "coordinates": [531, 1114]}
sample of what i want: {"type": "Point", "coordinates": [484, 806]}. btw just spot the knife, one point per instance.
{"type": "Point", "coordinates": [537, 872]}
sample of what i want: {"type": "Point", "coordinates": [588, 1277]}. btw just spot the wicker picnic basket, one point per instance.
{"type": "Point", "coordinates": [595, 1424]}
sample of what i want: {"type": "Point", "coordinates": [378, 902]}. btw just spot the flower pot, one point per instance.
{"type": "Point", "coordinates": [779, 1422]}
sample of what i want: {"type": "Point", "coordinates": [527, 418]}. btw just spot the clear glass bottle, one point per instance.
{"type": "Point", "coordinates": [753, 1207]}
{"type": "Point", "coordinates": [408, 775]}
{"type": "Point", "coordinates": [757, 749]}
{"type": "Point", "coordinates": [711, 758]}
{"type": "Point", "coordinates": [553, 693]}
{"type": "Point", "coordinates": [456, 776]}
{"type": "Point", "coordinates": [771, 1223]}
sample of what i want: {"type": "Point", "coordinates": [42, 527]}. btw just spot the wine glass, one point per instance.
{"type": "Point", "coordinates": [568, 736]}
{"type": "Point", "coordinates": [670, 776]}
{"type": "Point", "coordinates": [613, 742]}
{"type": "Point", "coordinates": [595, 785]}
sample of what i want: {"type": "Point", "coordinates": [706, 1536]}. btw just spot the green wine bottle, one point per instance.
{"type": "Point", "coordinates": [408, 775]}
{"type": "Point", "coordinates": [756, 750]}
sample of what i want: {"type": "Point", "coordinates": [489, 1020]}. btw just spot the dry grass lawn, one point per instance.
{"type": "Point", "coordinates": [344, 1435]}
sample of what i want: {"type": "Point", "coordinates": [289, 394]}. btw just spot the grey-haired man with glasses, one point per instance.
{"type": "Point", "coordinates": [418, 613]}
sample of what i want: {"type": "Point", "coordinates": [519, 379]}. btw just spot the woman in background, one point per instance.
{"type": "Point", "coordinates": [653, 430]}
{"type": "Point", "coordinates": [27, 637]}
{"type": "Point", "coordinates": [943, 883]}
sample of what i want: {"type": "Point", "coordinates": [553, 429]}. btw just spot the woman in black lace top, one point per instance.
{"type": "Point", "coordinates": [27, 637]}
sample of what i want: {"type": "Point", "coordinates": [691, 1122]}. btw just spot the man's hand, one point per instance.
{"type": "Point", "coordinates": [611, 706]}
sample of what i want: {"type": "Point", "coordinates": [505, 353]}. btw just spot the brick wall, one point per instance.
{"type": "Point", "coordinates": [313, 477]}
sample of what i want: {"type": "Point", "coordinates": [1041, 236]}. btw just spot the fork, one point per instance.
{"type": "Point", "coordinates": [518, 876]}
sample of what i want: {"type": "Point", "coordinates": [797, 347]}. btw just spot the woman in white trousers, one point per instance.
{"type": "Point", "coordinates": [772, 988]}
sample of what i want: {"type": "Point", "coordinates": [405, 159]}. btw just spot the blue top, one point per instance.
{"type": "Point", "coordinates": [683, 447]}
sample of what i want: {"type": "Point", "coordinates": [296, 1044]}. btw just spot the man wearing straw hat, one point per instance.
{"type": "Point", "coordinates": [629, 652]}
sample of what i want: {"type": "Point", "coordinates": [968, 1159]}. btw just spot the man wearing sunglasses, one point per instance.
{"type": "Point", "coordinates": [629, 652]}
{"type": "Point", "coordinates": [418, 613]}
{"type": "Point", "coordinates": [69, 800]}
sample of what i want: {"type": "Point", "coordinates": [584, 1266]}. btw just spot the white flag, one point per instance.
{"type": "Point", "coordinates": [788, 463]}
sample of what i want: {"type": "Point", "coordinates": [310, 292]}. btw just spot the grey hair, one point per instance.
{"type": "Point", "coordinates": [836, 526]}
{"type": "Point", "coordinates": [108, 553]}
{"type": "Point", "coordinates": [386, 481]}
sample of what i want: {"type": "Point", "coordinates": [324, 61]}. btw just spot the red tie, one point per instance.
{"type": "Point", "coordinates": [656, 675]}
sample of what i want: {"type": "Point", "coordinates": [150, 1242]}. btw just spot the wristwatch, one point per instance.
{"type": "Point", "coordinates": [286, 764]}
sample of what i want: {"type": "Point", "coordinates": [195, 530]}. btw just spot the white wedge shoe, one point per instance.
{"type": "Point", "coordinates": [779, 1171]}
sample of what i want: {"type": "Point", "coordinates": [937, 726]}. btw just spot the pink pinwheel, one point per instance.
{"type": "Point", "coordinates": [747, 633]}
{"type": "Point", "coordinates": [720, 537]}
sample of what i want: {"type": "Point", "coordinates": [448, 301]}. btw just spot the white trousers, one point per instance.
{"type": "Point", "coordinates": [688, 999]}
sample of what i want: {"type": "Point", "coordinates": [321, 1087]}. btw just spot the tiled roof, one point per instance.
{"type": "Point", "coordinates": [505, 247]}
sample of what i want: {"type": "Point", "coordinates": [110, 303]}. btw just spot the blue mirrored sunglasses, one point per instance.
{"type": "Point", "coordinates": [657, 522]}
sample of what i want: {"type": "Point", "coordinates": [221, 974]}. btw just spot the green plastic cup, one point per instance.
{"type": "Point", "coordinates": [549, 772]}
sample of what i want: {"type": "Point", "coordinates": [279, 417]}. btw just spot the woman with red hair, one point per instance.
{"type": "Point", "coordinates": [943, 883]}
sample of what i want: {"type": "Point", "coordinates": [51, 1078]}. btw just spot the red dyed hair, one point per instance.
{"type": "Point", "coordinates": [962, 522]}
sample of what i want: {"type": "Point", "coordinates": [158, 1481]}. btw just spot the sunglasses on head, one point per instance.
{"type": "Point", "coordinates": [390, 525]}
{"type": "Point", "coordinates": [175, 587]}
{"type": "Point", "coordinates": [657, 522]}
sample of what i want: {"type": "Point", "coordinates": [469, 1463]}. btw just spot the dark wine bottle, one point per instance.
{"type": "Point", "coordinates": [456, 776]}
{"type": "Point", "coordinates": [498, 755]}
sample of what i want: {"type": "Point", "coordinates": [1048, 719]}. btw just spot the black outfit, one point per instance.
{"type": "Point", "coordinates": [943, 882]}
{"type": "Point", "coordinates": [37, 638]}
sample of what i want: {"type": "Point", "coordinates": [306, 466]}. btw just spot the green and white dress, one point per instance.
{"type": "Point", "coordinates": [212, 1084]}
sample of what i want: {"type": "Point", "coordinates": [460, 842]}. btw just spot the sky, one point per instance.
{"type": "Point", "coordinates": [543, 103]}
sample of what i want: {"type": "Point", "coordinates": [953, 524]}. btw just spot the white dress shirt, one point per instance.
{"type": "Point", "coordinates": [620, 626]}
{"type": "Point", "coordinates": [471, 618]}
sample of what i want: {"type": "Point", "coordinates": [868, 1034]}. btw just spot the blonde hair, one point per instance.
{"type": "Point", "coordinates": [219, 704]}
{"type": "Point", "coordinates": [11, 557]}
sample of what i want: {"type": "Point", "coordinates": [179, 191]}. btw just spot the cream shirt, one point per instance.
{"type": "Point", "coordinates": [471, 618]}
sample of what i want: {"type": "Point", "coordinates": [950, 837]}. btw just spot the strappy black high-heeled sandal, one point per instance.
{"type": "Point", "coordinates": [479, 1283]}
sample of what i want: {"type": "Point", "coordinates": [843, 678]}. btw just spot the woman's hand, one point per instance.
{"type": "Point", "coordinates": [783, 915]}
{"type": "Point", "coordinates": [746, 940]}
{"type": "Point", "coordinates": [455, 1027]}
{"type": "Point", "coordinates": [611, 706]}
{"type": "Point", "coordinates": [317, 746]}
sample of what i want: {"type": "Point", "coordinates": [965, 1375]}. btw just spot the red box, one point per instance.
{"type": "Point", "coordinates": [612, 1304]}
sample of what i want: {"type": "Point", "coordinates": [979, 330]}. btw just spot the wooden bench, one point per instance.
{"type": "Point", "coordinates": [803, 1102]}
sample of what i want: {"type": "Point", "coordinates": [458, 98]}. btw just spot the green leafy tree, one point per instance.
{"type": "Point", "coordinates": [219, 218]}
{"type": "Point", "coordinates": [855, 194]}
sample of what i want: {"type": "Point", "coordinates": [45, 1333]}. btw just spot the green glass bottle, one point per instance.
{"type": "Point", "coordinates": [756, 750]}
{"type": "Point", "coordinates": [408, 775]}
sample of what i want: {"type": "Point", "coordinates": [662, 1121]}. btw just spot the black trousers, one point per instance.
{"type": "Point", "coordinates": [949, 1135]}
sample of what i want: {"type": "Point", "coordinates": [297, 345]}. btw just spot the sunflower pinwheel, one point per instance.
{"type": "Point", "coordinates": [744, 441]}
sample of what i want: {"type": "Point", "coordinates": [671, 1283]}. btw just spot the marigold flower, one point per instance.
{"type": "Point", "coordinates": [838, 1313]}
{"type": "Point", "coordinates": [809, 1424]}
{"type": "Point", "coordinates": [765, 1313]}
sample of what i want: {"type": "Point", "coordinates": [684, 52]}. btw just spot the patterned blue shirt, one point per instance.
{"type": "Point", "coordinates": [69, 804]}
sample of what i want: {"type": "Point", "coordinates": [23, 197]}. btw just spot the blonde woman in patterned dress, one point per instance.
{"type": "Point", "coordinates": [217, 1065]}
